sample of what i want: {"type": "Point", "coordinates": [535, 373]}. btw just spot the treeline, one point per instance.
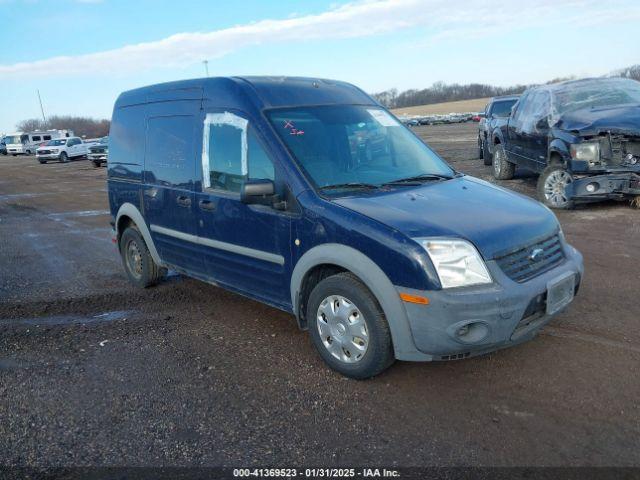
{"type": "Point", "coordinates": [441, 92]}
{"type": "Point", "coordinates": [81, 126]}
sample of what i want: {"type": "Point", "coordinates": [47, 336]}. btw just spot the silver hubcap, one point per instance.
{"type": "Point", "coordinates": [342, 329]}
{"type": "Point", "coordinates": [555, 187]}
{"type": "Point", "coordinates": [134, 259]}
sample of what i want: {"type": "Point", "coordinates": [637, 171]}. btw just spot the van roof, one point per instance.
{"type": "Point", "coordinates": [260, 92]}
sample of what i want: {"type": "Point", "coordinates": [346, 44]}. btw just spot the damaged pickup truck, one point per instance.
{"type": "Point", "coordinates": [582, 136]}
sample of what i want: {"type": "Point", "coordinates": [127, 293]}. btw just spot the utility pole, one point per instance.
{"type": "Point", "coordinates": [206, 66]}
{"type": "Point", "coordinates": [44, 119]}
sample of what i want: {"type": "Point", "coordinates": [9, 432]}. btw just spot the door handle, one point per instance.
{"type": "Point", "coordinates": [207, 205]}
{"type": "Point", "coordinates": [183, 201]}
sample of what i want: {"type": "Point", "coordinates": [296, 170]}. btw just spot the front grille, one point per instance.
{"type": "Point", "coordinates": [43, 152]}
{"type": "Point", "coordinates": [97, 150]}
{"type": "Point", "coordinates": [520, 266]}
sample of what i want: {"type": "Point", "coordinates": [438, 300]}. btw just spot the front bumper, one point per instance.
{"type": "Point", "coordinates": [97, 157]}
{"type": "Point", "coordinates": [503, 314]}
{"type": "Point", "coordinates": [610, 185]}
{"type": "Point", "coordinates": [48, 156]}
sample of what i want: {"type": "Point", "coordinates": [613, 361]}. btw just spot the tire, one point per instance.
{"type": "Point", "coordinates": [486, 154]}
{"type": "Point", "coordinates": [551, 187]}
{"type": "Point", "coordinates": [64, 158]}
{"type": "Point", "coordinates": [42, 162]}
{"type": "Point", "coordinates": [480, 148]}
{"type": "Point", "coordinates": [96, 164]}
{"type": "Point", "coordinates": [502, 169]}
{"type": "Point", "coordinates": [353, 322]}
{"type": "Point", "coordinates": [141, 270]}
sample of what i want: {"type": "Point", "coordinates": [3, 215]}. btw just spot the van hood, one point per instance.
{"type": "Point", "coordinates": [493, 219]}
{"type": "Point", "coordinates": [623, 119]}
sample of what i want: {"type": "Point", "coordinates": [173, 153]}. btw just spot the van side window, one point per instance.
{"type": "Point", "coordinates": [35, 138]}
{"type": "Point", "coordinates": [169, 153]}
{"type": "Point", "coordinates": [232, 153]}
{"type": "Point", "coordinates": [46, 137]}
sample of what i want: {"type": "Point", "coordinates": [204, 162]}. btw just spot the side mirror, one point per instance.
{"type": "Point", "coordinates": [257, 191]}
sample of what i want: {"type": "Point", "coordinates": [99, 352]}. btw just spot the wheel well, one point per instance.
{"type": "Point", "coordinates": [496, 141]}
{"type": "Point", "coordinates": [310, 280]}
{"type": "Point", "coordinates": [123, 222]}
{"type": "Point", "coordinates": [556, 159]}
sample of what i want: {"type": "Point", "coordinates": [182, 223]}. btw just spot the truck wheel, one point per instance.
{"type": "Point", "coordinates": [63, 157]}
{"type": "Point", "coordinates": [348, 327]}
{"type": "Point", "coordinates": [141, 269]}
{"type": "Point", "coordinates": [96, 163]}
{"type": "Point", "coordinates": [480, 148]}
{"type": "Point", "coordinates": [42, 162]}
{"type": "Point", "coordinates": [552, 185]}
{"type": "Point", "coordinates": [502, 169]}
{"type": "Point", "coordinates": [486, 154]}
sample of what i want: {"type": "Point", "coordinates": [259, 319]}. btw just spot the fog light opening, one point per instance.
{"type": "Point", "coordinates": [592, 187]}
{"type": "Point", "coordinates": [472, 332]}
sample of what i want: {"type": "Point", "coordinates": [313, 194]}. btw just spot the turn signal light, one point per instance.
{"type": "Point", "coordinates": [407, 297]}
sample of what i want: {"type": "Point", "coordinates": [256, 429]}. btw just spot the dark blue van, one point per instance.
{"type": "Point", "coordinates": [307, 195]}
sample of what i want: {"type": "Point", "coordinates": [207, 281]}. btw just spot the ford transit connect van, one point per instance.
{"type": "Point", "coordinates": [307, 195]}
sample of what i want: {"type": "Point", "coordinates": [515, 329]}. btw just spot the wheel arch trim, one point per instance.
{"type": "Point", "coordinates": [374, 278]}
{"type": "Point", "coordinates": [131, 211]}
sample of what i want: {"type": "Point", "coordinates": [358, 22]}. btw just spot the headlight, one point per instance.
{"type": "Point", "coordinates": [457, 262]}
{"type": "Point", "coordinates": [587, 151]}
{"type": "Point", "coordinates": [55, 150]}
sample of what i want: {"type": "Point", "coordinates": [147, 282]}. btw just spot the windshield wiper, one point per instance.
{"type": "Point", "coordinates": [357, 185]}
{"type": "Point", "coordinates": [418, 179]}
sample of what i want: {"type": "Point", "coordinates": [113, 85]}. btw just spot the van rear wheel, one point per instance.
{"type": "Point", "coordinates": [348, 327]}
{"type": "Point", "coordinates": [141, 269]}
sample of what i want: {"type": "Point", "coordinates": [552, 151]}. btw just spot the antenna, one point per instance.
{"type": "Point", "coordinates": [206, 66]}
{"type": "Point", "coordinates": [44, 119]}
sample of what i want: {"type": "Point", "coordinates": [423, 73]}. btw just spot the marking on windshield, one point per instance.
{"type": "Point", "coordinates": [288, 124]}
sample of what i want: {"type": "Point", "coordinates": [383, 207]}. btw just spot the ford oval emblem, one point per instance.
{"type": "Point", "coordinates": [536, 254]}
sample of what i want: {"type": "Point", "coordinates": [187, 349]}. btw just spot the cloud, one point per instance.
{"type": "Point", "coordinates": [438, 19]}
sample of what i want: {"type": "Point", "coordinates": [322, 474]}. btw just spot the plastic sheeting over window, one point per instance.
{"type": "Point", "coordinates": [221, 149]}
{"type": "Point", "coordinates": [554, 101]}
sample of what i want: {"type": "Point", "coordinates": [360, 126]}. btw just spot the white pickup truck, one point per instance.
{"type": "Point", "coordinates": [62, 150]}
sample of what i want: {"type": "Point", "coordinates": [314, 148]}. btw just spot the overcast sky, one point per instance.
{"type": "Point", "coordinates": [81, 54]}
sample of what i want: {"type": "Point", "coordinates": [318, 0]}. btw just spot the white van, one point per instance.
{"type": "Point", "coordinates": [28, 142]}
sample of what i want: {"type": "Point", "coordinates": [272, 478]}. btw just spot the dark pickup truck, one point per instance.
{"type": "Point", "coordinates": [581, 136]}
{"type": "Point", "coordinates": [496, 114]}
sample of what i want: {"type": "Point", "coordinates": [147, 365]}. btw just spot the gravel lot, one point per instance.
{"type": "Point", "coordinates": [94, 372]}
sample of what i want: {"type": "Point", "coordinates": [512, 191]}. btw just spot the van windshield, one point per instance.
{"type": "Point", "coordinates": [353, 145]}
{"type": "Point", "coordinates": [53, 143]}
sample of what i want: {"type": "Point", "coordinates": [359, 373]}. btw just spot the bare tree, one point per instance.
{"type": "Point", "coordinates": [82, 126]}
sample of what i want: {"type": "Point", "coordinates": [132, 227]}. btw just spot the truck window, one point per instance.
{"type": "Point", "coordinates": [46, 137]}
{"type": "Point", "coordinates": [36, 138]}
{"type": "Point", "coordinates": [232, 153]}
{"type": "Point", "coordinates": [170, 154]}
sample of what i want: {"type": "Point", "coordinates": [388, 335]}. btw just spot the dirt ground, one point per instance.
{"type": "Point", "coordinates": [95, 372]}
{"type": "Point", "coordinates": [460, 106]}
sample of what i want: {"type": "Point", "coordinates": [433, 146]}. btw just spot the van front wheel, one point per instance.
{"type": "Point", "coordinates": [348, 327]}
{"type": "Point", "coordinates": [141, 269]}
